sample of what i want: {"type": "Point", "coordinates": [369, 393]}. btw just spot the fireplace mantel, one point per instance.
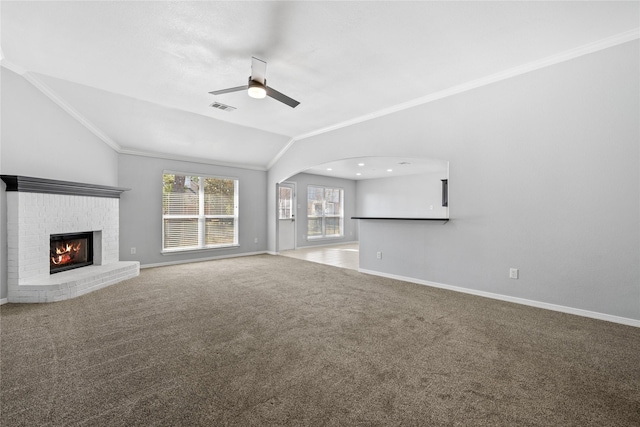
{"type": "Point", "coordinates": [30, 184]}
{"type": "Point", "coordinates": [40, 208]}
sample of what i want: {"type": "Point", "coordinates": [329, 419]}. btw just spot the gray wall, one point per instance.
{"type": "Point", "coordinates": [3, 239]}
{"type": "Point", "coordinates": [544, 177]}
{"type": "Point", "coordinates": [303, 180]}
{"type": "Point", "coordinates": [413, 196]}
{"type": "Point", "coordinates": [141, 209]}
{"type": "Point", "coordinates": [38, 139]}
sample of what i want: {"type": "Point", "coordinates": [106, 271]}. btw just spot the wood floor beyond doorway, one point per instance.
{"type": "Point", "coordinates": [345, 255]}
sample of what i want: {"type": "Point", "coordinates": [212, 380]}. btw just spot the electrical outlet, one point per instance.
{"type": "Point", "coordinates": [513, 273]}
{"type": "Point", "coordinates": [379, 255]}
{"type": "Point", "coordinates": [255, 240]}
{"type": "Point", "coordinates": [133, 251]}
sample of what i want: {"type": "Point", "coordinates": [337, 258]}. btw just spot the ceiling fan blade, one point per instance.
{"type": "Point", "coordinates": [282, 97]}
{"type": "Point", "coordinates": [258, 70]}
{"type": "Point", "coordinates": [231, 89]}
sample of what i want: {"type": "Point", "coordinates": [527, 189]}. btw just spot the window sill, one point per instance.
{"type": "Point", "coordinates": [194, 250]}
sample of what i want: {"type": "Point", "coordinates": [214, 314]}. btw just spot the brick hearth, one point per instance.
{"type": "Point", "coordinates": [33, 216]}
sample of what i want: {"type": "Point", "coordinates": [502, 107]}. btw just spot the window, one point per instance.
{"type": "Point", "coordinates": [324, 212]}
{"type": "Point", "coordinates": [198, 212]}
{"type": "Point", "coordinates": [285, 201]}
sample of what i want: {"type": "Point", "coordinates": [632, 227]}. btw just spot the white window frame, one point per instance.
{"type": "Point", "coordinates": [202, 218]}
{"type": "Point", "coordinates": [285, 208]}
{"type": "Point", "coordinates": [324, 216]}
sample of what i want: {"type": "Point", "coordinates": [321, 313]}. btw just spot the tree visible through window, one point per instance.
{"type": "Point", "coordinates": [198, 212]}
{"type": "Point", "coordinates": [285, 201]}
{"type": "Point", "coordinates": [324, 212]}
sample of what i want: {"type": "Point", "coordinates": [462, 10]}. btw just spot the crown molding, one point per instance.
{"type": "Point", "coordinates": [52, 95]}
{"type": "Point", "coordinates": [180, 158]}
{"type": "Point", "coordinates": [4, 62]}
{"type": "Point", "coordinates": [40, 85]}
{"type": "Point", "coordinates": [281, 153]}
{"type": "Point", "coordinates": [586, 49]}
{"type": "Point", "coordinates": [570, 54]}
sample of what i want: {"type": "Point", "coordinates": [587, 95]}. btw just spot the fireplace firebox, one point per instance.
{"type": "Point", "coordinates": [69, 251]}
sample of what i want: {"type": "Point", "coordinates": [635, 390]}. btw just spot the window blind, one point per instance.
{"type": "Point", "coordinates": [198, 212]}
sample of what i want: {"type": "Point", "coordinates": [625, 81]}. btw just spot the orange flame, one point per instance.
{"type": "Point", "coordinates": [66, 253]}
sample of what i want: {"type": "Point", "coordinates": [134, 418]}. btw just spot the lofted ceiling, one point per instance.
{"type": "Point", "coordinates": [139, 73]}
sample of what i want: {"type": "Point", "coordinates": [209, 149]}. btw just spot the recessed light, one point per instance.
{"type": "Point", "coordinates": [329, 169]}
{"type": "Point", "coordinates": [358, 174]}
{"type": "Point", "coordinates": [360, 164]}
{"type": "Point", "coordinates": [389, 170]}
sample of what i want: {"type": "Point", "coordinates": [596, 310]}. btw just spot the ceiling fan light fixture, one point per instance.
{"type": "Point", "coordinates": [257, 86]}
{"type": "Point", "coordinates": [256, 90]}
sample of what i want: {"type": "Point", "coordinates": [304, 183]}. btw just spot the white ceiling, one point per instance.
{"type": "Point", "coordinates": [140, 72]}
{"type": "Point", "coordinates": [379, 167]}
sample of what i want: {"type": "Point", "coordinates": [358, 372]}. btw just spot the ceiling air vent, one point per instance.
{"type": "Point", "coordinates": [223, 107]}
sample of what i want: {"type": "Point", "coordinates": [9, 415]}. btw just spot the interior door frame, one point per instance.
{"type": "Point", "coordinates": [294, 209]}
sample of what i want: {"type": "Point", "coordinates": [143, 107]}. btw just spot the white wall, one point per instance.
{"type": "Point", "coordinates": [38, 138]}
{"type": "Point", "coordinates": [303, 180]}
{"type": "Point", "coordinates": [544, 176]}
{"type": "Point", "coordinates": [141, 209]}
{"type": "Point", "coordinates": [412, 196]}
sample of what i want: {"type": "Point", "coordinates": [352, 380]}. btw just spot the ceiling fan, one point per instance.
{"type": "Point", "coordinates": [257, 86]}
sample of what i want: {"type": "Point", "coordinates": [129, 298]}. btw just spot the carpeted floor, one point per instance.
{"type": "Point", "coordinates": [268, 340]}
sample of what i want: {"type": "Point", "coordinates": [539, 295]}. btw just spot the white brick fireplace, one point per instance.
{"type": "Point", "coordinates": [37, 209]}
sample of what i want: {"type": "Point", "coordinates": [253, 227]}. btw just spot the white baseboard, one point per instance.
{"type": "Point", "coordinates": [532, 303]}
{"type": "Point", "coordinates": [350, 242]}
{"type": "Point", "coordinates": [190, 261]}
{"type": "Point", "coordinates": [324, 245]}
{"type": "Point", "coordinates": [3, 301]}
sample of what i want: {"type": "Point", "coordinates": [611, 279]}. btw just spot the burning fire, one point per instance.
{"type": "Point", "coordinates": [66, 253]}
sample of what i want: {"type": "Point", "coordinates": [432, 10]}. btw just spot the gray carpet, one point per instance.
{"type": "Point", "coordinates": [268, 340]}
